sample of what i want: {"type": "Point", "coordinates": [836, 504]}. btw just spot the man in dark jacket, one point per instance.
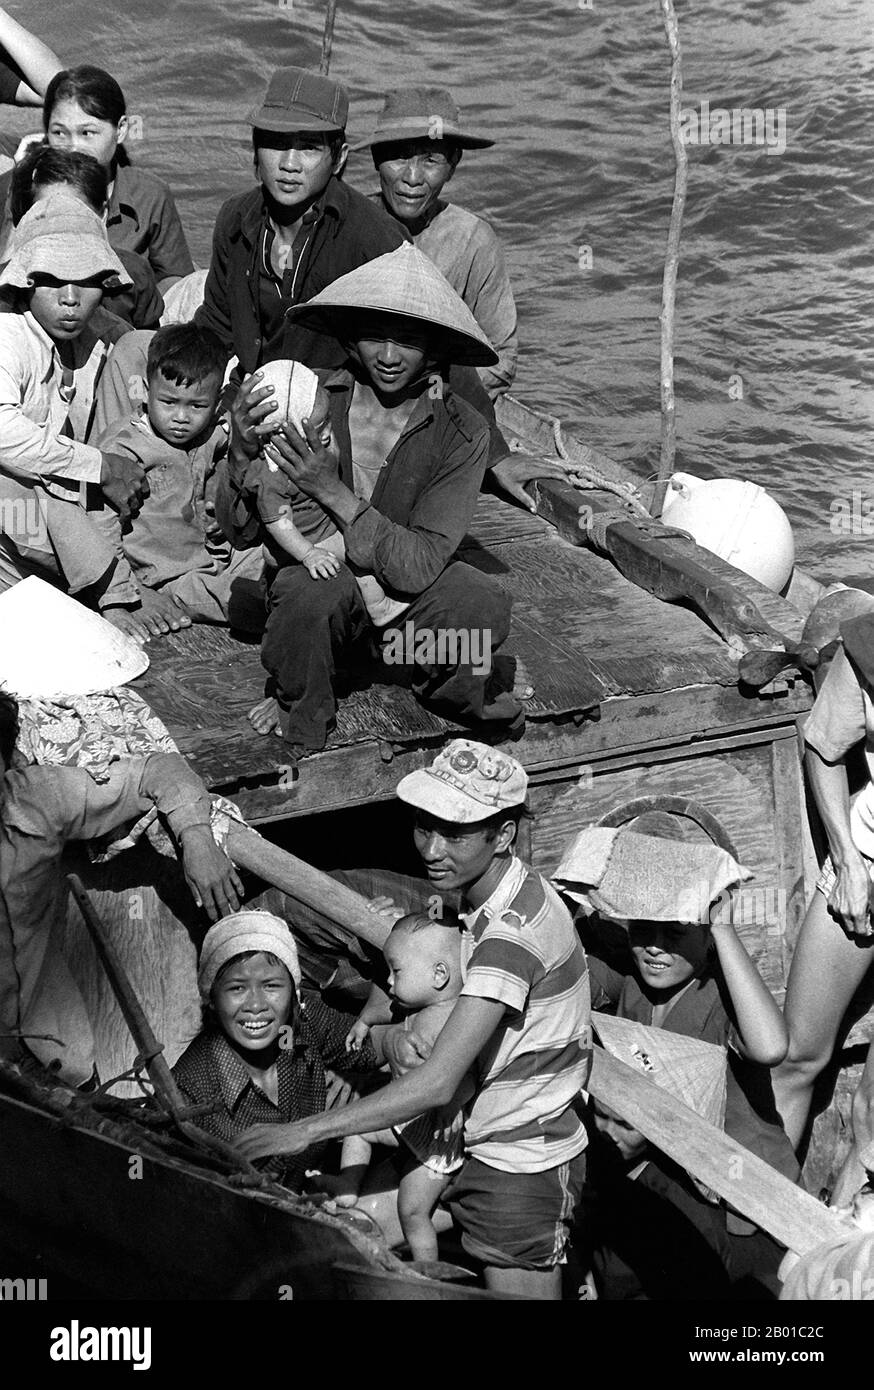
{"type": "Point", "coordinates": [302, 228]}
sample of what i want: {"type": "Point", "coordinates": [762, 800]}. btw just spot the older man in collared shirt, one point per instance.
{"type": "Point", "coordinates": [41, 808]}
{"type": "Point", "coordinates": [416, 147]}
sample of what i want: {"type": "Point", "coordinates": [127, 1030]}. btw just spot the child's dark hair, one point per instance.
{"type": "Point", "coordinates": [8, 726]}
{"type": "Point", "coordinates": [185, 354]}
{"type": "Point", "coordinates": [95, 90]}
{"type": "Point", "coordinates": [44, 167]}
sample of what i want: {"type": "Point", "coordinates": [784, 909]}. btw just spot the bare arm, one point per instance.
{"type": "Point", "coordinates": [763, 1034]}
{"type": "Point", "coordinates": [35, 60]}
{"type": "Point", "coordinates": [428, 1087]}
{"type": "Point", "coordinates": [288, 538]}
{"type": "Point", "coordinates": [849, 899]}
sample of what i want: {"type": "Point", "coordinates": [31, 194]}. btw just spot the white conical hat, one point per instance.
{"type": "Point", "coordinates": [51, 645]}
{"type": "Point", "coordinates": [404, 282]}
{"type": "Point", "coordinates": [692, 1070]}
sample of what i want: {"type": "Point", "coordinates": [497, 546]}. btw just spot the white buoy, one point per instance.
{"type": "Point", "coordinates": [736, 520]}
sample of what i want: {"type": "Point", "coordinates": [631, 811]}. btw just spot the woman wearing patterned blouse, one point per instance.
{"type": "Point", "coordinates": [262, 1054]}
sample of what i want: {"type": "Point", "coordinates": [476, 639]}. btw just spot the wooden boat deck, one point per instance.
{"type": "Point", "coordinates": [588, 637]}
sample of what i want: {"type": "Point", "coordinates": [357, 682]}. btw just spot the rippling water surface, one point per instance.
{"type": "Point", "coordinates": [776, 275]}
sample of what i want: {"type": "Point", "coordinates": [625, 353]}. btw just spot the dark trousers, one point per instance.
{"type": "Point", "coordinates": [316, 627]}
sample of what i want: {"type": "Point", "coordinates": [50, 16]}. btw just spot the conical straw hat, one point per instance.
{"type": "Point", "coordinates": [407, 283]}
{"type": "Point", "coordinates": [51, 645]}
{"type": "Point", "coordinates": [689, 1069]}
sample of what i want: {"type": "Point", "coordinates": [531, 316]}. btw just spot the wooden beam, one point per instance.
{"type": "Point", "coordinates": [747, 614]}
{"type": "Point", "coordinates": [309, 885]}
{"type": "Point", "coordinates": [751, 1186]}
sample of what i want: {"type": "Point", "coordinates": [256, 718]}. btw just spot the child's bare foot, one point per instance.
{"type": "Point", "coordinates": [264, 717]}
{"type": "Point", "coordinates": [128, 622]}
{"type": "Point", "coordinates": [523, 686]}
{"type": "Point", "coordinates": [337, 1186]}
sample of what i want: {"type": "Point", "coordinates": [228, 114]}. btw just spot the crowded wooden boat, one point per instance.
{"type": "Point", "coordinates": [427, 866]}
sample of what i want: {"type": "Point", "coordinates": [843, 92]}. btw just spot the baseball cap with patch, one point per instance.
{"type": "Point", "coordinates": [466, 783]}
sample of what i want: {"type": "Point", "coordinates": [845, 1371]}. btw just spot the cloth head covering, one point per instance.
{"type": "Point", "coordinates": [691, 1070]}
{"type": "Point", "coordinates": [421, 113]}
{"type": "Point", "coordinates": [61, 237]}
{"type": "Point", "coordinates": [297, 99]}
{"type": "Point", "coordinates": [251, 930]}
{"type": "Point", "coordinates": [621, 873]}
{"type": "Point", "coordinates": [407, 283]}
{"type": "Point", "coordinates": [466, 783]}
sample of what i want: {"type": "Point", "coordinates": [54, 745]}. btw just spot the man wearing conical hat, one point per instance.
{"type": "Point", "coordinates": [416, 147]}
{"type": "Point", "coordinates": [301, 228]}
{"type": "Point", "coordinates": [400, 486]}
{"type": "Point", "coordinates": [521, 1025]}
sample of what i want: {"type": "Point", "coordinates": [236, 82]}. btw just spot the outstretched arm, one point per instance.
{"type": "Point", "coordinates": [33, 58]}
{"type": "Point", "coordinates": [760, 1024]}
{"type": "Point", "coordinates": [430, 1086]}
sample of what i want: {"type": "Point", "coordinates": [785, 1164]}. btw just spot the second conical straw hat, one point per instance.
{"type": "Point", "coordinates": [77, 651]}
{"type": "Point", "coordinates": [404, 282]}
{"type": "Point", "coordinates": [692, 1070]}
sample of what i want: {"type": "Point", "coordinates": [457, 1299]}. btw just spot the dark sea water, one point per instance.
{"type": "Point", "coordinates": [776, 275]}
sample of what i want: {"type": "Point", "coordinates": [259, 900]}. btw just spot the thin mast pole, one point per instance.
{"type": "Point", "coordinates": [328, 37]}
{"type": "Point", "coordinates": [672, 260]}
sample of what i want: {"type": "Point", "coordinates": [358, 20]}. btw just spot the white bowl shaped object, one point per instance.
{"type": "Point", "coordinates": [736, 520]}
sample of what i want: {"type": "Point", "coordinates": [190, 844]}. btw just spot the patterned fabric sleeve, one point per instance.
{"type": "Point", "coordinates": [330, 1028]}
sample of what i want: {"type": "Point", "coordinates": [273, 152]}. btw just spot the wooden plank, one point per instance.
{"type": "Point", "coordinates": [366, 772]}
{"type": "Point", "coordinates": [744, 1180]}
{"type": "Point", "coordinates": [745, 612]}
{"type": "Point", "coordinates": [308, 885]}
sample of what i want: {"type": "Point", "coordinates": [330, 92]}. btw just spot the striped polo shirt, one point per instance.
{"type": "Point", "coordinates": [525, 953]}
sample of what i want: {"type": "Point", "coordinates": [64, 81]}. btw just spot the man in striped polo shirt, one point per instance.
{"type": "Point", "coordinates": [522, 1024]}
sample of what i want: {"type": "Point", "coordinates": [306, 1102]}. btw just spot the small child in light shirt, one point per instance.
{"type": "Point", "coordinates": [296, 527]}
{"type": "Point", "coordinates": [425, 979]}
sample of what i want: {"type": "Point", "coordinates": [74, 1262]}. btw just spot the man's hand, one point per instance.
{"type": "Point", "coordinates": [253, 404]}
{"type": "Point", "coordinates": [123, 483]}
{"type": "Point", "coordinates": [385, 908]}
{"type": "Point", "coordinates": [513, 472]}
{"type": "Point", "coordinates": [321, 564]}
{"type": "Point", "coordinates": [404, 1050]}
{"type": "Point", "coordinates": [209, 873]}
{"type": "Point", "coordinates": [305, 460]}
{"type": "Point", "coordinates": [259, 1141]}
{"type": "Point", "coordinates": [850, 898]}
